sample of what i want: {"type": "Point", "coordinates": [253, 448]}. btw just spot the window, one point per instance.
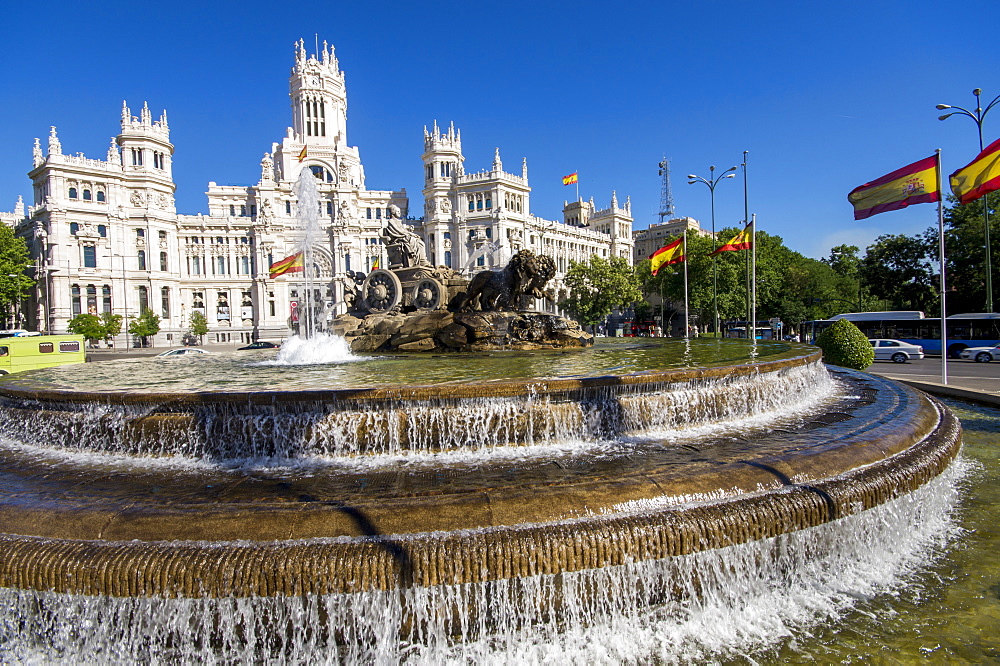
{"type": "Point", "coordinates": [106, 297]}
{"type": "Point", "coordinates": [143, 298]}
{"type": "Point", "coordinates": [87, 196]}
{"type": "Point", "coordinates": [89, 256]}
{"type": "Point", "coordinates": [430, 171]}
{"type": "Point", "coordinates": [479, 203]}
{"type": "Point", "coordinates": [91, 299]}
{"type": "Point", "coordinates": [165, 302]}
{"type": "Point", "coordinates": [232, 210]}
{"type": "Point", "coordinates": [102, 230]}
{"type": "Point", "coordinates": [369, 213]}
{"type": "Point", "coordinates": [489, 230]}
{"type": "Point", "coordinates": [75, 296]}
{"type": "Point", "coordinates": [472, 204]}
{"type": "Point", "coordinates": [140, 233]}
{"type": "Point", "coordinates": [141, 256]}
{"type": "Point", "coordinates": [220, 265]}
{"type": "Point", "coordinates": [243, 211]}
{"type": "Point", "coordinates": [378, 213]}
{"type": "Point", "coordinates": [245, 265]}
{"type": "Point", "coordinates": [489, 203]}
{"type": "Point", "coordinates": [163, 261]}
{"type": "Point", "coordinates": [100, 197]}
{"type": "Point", "coordinates": [74, 228]}
{"type": "Point", "coordinates": [447, 258]}
{"type": "Point", "coordinates": [288, 208]}
{"type": "Point", "coordinates": [347, 263]}
{"type": "Point", "coordinates": [72, 193]}
{"type": "Point", "coordinates": [253, 210]}
{"type": "Point", "coordinates": [329, 208]}
{"type": "Point", "coordinates": [163, 235]}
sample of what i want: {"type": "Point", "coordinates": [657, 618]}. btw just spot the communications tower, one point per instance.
{"type": "Point", "coordinates": [666, 197]}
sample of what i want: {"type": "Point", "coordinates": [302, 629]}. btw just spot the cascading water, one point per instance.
{"type": "Point", "coordinates": [639, 515]}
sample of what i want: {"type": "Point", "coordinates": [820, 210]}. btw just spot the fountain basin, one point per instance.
{"type": "Point", "coordinates": [312, 524]}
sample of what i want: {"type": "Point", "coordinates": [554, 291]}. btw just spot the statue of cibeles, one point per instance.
{"type": "Point", "coordinates": [405, 248]}
{"type": "Point", "coordinates": [524, 275]}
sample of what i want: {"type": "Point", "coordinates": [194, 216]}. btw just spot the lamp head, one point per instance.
{"type": "Point", "coordinates": [977, 92]}
{"type": "Point", "coordinates": [942, 107]}
{"type": "Point", "coordinates": [691, 175]}
{"type": "Point", "coordinates": [731, 175]}
{"type": "Point", "coordinates": [945, 116]}
{"type": "Point", "coordinates": [692, 182]}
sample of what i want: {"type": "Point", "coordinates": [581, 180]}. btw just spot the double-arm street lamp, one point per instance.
{"type": "Point", "coordinates": [977, 116]}
{"type": "Point", "coordinates": [712, 181]}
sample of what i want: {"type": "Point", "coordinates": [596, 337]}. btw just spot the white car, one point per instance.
{"type": "Point", "coordinates": [183, 351]}
{"type": "Point", "coordinates": [895, 350]}
{"type": "Point", "coordinates": [982, 354]}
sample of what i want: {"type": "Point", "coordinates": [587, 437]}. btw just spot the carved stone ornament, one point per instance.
{"type": "Point", "coordinates": [445, 205]}
{"type": "Point", "coordinates": [137, 199]}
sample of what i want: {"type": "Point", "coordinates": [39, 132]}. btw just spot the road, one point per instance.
{"type": "Point", "coordinates": [966, 374]}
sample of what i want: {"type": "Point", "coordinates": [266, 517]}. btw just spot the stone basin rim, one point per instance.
{"type": "Point", "coordinates": [24, 389]}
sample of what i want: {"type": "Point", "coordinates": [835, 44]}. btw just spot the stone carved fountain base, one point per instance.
{"type": "Point", "coordinates": [441, 330]}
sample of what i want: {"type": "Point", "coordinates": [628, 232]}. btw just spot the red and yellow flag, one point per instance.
{"type": "Point", "coordinates": [980, 177]}
{"type": "Point", "coordinates": [303, 153]}
{"type": "Point", "coordinates": [570, 179]}
{"type": "Point", "coordinates": [912, 184]}
{"type": "Point", "coordinates": [672, 253]}
{"type": "Point", "coordinates": [741, 241]}
{"type": "Point", "coordinates": [292, 264]}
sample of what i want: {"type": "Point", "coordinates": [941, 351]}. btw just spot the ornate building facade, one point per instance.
{"type": "Point", "coordinates": [105, 235]}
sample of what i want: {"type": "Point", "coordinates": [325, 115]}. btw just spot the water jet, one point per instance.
{"type": "Point", "coordinates": [612, 492]}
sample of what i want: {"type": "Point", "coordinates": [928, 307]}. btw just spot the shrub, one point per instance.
{"type": "Point", "coordinates": [844, 344]}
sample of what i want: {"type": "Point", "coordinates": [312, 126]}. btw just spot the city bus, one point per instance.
{"type": "Point", "coordinates": [21, 352]}
{"type": "Point", "coordinates": [913, 327]}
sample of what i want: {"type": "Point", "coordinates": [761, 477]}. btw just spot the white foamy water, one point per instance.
{"type": "Point", "coordinates": [319, 349]}
{"type": "Point", "coordinates": [712, 605]}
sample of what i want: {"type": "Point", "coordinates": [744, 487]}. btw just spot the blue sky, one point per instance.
{"type": "Point", "coordinates": [824, 96]}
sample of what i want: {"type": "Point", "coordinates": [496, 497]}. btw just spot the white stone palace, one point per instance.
{"type": "Point", "coordinates": [105, 235]}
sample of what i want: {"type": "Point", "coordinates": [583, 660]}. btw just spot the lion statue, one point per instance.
{"type": "Point", "coordinates": [524, 275]}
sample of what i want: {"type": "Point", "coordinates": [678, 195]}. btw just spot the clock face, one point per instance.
{"type": "Point", "coordinates": [314, 80]}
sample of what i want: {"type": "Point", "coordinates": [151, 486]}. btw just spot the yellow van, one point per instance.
{"type": "Point", "coordinates": [21, 353]}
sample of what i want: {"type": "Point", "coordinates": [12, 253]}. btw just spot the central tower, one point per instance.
{"type": "Point", "coordinates": [319, 98]}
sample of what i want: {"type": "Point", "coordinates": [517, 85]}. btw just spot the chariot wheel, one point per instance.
{"type": "Point", "coordinates": [382, 290]}
{"type": "Point", "coordinates": [427, 294]}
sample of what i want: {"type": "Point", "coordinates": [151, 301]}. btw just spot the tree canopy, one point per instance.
{"type": "Point", "coordinates": [598, 286]}
{"type": "Point", "coordinates": [14, 261]}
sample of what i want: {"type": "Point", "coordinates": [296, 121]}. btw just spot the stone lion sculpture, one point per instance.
{"type": "Point", "coordinates": [524, 275]}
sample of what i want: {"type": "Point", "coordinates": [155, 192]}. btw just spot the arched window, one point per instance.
{"type": "Point", "coordinates": [100, 197]}
{"type": "Point", "coordinates": [87, 196]}
{"type": "Point", "coordinates": [74, 292]}
{"type": "Point", "coordinates": [141, 255]}
{"type": "Point", "coordinates": [143, 299]}
{"type": "Point", "coordinates": [321, 174]}
{"type": "Point", "coordinates": [91, 299]}
{"type": "Point", "coordinates": [165, 302]}
{"type": "Point", "coordinates": [72, 193]}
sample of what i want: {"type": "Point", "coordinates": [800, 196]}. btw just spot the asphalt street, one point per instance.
{"type": "Point", "coordinates": [966, 374]}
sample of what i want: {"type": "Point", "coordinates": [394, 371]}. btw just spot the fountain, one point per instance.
{"type": "Point", "coordinates": [634, 500]}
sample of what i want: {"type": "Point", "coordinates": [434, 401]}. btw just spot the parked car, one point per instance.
{"type": "Point", "coordinates": [982, 354]}
{"type": "Point", "coordinates": [183, 351]}
{"type": "Point", "coordinates": [260, 344]}
{"type": "Point", "coordinates": [895, 350]}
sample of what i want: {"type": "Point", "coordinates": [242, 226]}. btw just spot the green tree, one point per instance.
{"type": "Point", "coordinates": [14, 261]}
{"type": "Point", "coordinates": [87, 325]}
{"type": "Point", "coordinates": [598, 286]}
{"type": "Point", "coordinates": [965, 252]}
{"type": "Point", "coordinates": [899, 270]}
{"type": "Point", "coordinates": [145, 326]}
{"type": "Point", "coordinates": [198, 325]}
{"type": "Point", "coordinates": [112, 326]}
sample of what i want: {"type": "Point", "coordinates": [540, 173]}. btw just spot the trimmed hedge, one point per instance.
{"type": "Point", "coordinates": [845, 345]}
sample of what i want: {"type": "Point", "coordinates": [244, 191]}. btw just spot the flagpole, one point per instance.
{"type": "Point", "coordinates": [944, 321]}
{"type": "Point", "coordinates": [753, 274]}
{"type": "Point", "coordinates": [577, 185]}
{"type": "Point", "coordinates": [746, 259]}
{"type": "Point", "coordinates": [687, 323]}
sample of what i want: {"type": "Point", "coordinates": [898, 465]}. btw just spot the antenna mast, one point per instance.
{"type": "Point", "coordinates": [666, 197]}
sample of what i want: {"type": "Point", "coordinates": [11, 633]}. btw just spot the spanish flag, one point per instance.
{"type": "Point", "coordinates": [741, 241]}
{"type": "Point", "coordinates": [292, 264]}
{"type": "Point", "coordinates": [913, 184]}
{"type": "Point", "coordinates": [672, 253]}
{"type": "Point", "coordinates": [980, 177]}
{"type": "Point", "coordinates": [570, 179]}
{"type": "Point", "coordinates": [303, 153]}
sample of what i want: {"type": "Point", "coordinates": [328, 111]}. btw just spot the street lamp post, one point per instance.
{"type": "Point", "coordinates": [977, 116]}
{"type": "Point", "coordinates": [711, 182]}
